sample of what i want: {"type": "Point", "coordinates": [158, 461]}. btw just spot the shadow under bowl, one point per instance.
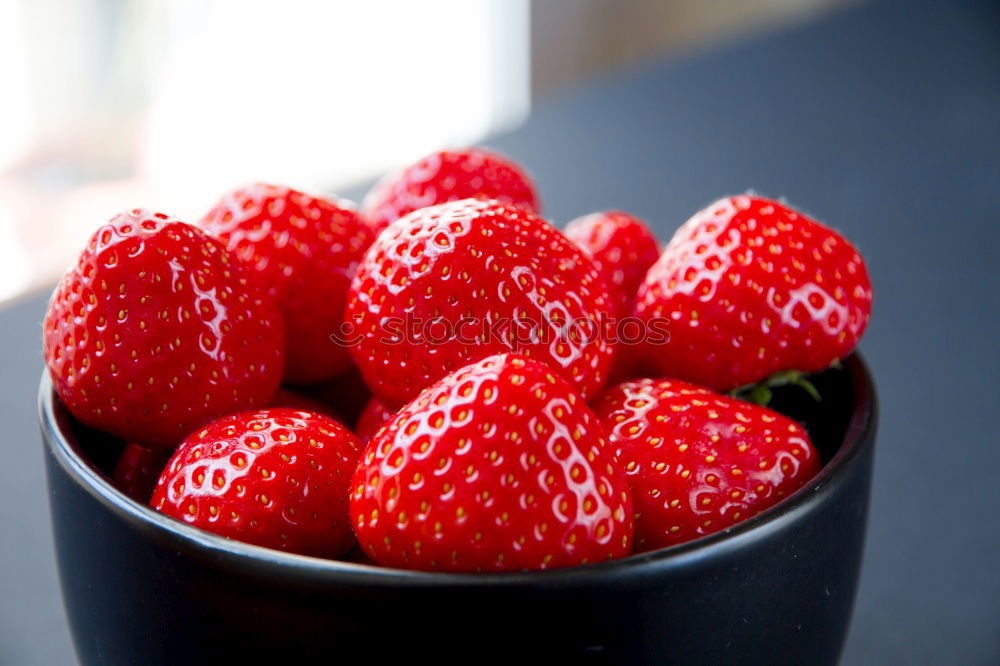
{"type": "Point", "coordinates": [140, 587]}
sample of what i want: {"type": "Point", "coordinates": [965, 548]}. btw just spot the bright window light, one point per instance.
{"type": "Point", "coordinates": [167, 105]}
{"type": "Point", "coordinates": [15, 111]}
{"type": "Point", "coordinates": [327, 94]}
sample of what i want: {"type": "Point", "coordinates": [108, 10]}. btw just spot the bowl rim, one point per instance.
{"type": "Point", "coordinates": [255, 560]}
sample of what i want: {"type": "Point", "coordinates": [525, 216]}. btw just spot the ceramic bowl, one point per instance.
{"type": "Point", "coordinates": [142, 588]}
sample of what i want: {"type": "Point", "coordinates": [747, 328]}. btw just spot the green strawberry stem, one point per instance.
{"type": "Point", "coordinates": [760, 393]}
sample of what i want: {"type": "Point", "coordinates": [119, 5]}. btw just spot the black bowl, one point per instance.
{"type": "Point", "coordinates": [776, 589]}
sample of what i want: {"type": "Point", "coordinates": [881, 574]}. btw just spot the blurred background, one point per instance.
{"type": "Point", "coordinates": [111, 104]}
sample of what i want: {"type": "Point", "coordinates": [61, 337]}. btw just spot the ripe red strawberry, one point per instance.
{"type": "Point", "coordinates": [157, 330]}
{"type": "Point", "coordinates": [622, 247]}
{"type": "Point", "coordinates": [448, 175]}
{"type": "Point", "coordinates": [274, 477]}
{"type": "Point", "coordinates": [306, 249]}
{"type": "Point", "coordinates": [700, 462]}
{"type": "Point", "coordinates": [137, 471]}
{"type": "Point", "coordinates": [500, 466]}
{"type": "Point", "coordinates": [751, 288]}
{"type": "Point", "coordinates": [451, 284]}
{"type": "Point", "coordinates": [372, 417]}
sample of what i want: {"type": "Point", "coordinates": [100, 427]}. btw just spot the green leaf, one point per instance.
{"type": "Point", "coordinates": [761, 392]}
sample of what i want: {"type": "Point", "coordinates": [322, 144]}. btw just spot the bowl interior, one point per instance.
{"type": "Point", "coordinates": [840, 427]}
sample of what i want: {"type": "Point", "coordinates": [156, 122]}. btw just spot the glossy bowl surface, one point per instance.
{"type": "Point", "coordinates": [778, 588]}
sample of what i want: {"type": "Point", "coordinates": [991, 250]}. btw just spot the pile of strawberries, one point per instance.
{"type": "Point", "coordinates": [538, 398]}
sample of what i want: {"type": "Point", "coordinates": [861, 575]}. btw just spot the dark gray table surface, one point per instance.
{"type": "Point", "coordinates": [884, 121]}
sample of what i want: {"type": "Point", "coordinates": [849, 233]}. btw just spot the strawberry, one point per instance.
{"type": "Point", "coordinates": [451, 284]}
{"type": "Point", "coordinates": [700, 462]}
{"type": "Point", "coordinates": [622, 248]}
{"type": "Point", "coordinates": [137, 471]}
{"type": "Point", "coordinates": [448, 175]}
{"type": "Point", "coordinates": [305, 249]}
{"type": "Point", "coordinates": [372, 417]}
{"type": "Point", "coordinates": [752, 288]}
{"type": "Point", "coordinates": [500, 466]}
{"type": "Point", "coordinates": [274, 477]}
{"type": "Point", "coordinates": [157, 330]}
